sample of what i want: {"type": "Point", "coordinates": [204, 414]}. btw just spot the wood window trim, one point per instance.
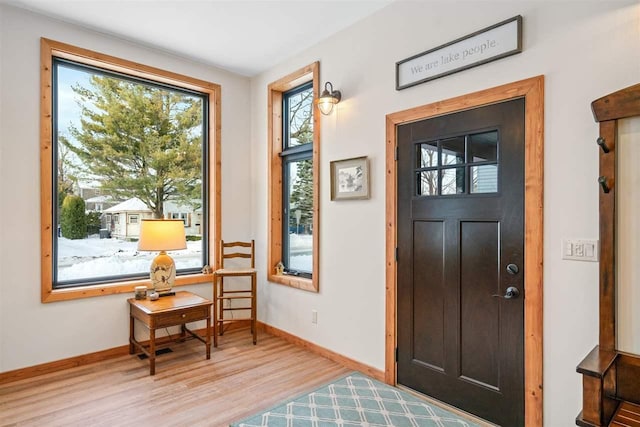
{"type": "Point", "coordinates": [533, 91]}
{"type": "Point", "coordinates": [49, 49]}
{"type": "Point", "coordinates": [274, 137]}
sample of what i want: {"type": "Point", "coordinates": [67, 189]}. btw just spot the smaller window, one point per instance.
{"type": "Point", "coordinates": [297, 173]}
{"type": "Point", "coordinates": [133, 219]}
{"type": "Point", "coordinates": [116, 218]}
{"type": "Point", "coordinates": [294, 141]}
{"type": "Point", "coordinates": [180, 215]}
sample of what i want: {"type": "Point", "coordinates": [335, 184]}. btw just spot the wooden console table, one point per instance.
{"type": "Point", "coordinates": [177, 310]}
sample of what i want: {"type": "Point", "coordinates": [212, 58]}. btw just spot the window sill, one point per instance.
{"type": "Point", "coordinates": [116, 288]}
{"type": "Point", "coordinates": [294, 282]}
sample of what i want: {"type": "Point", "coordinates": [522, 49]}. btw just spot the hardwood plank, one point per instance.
{"type": "Point", "coordinates": [239, 380]}
{"type": "Point", "coordinates": [324, 352]}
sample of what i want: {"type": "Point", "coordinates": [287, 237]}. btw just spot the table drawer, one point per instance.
{"type": "Point", "coordinates": [186, 315]}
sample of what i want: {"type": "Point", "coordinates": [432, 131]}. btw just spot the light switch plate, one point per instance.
{"type": "Point", "coordinates": [581, 250]}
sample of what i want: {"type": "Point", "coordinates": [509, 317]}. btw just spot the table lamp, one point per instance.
{"type": "Point", "coordinates": [162, 235]}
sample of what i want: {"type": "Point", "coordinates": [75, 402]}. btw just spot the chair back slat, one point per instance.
{"type": "Point", "coordinates": [241, 244]}
{"type": "Point", "coordinates": [235, 254]}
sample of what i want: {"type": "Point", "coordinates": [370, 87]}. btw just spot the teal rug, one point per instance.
{"type": "Point", "coordinates": [356, 400]}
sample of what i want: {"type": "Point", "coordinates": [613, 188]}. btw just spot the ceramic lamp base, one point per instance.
{"type": "Point", "coordinates": [163, 273]}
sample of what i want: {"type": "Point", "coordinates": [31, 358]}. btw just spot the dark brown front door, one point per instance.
{"type": "Point", "coordinates": [460, 260]}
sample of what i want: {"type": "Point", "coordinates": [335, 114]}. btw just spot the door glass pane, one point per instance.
{"type": "Point", "coordinates": [300, 216]}
{"type": "Point", "coordinates": [453, 151]}
{"type": "Point", "coordinates": [483, 147]}
{"type": "Point", "coordinates": [428, 155]}
{"type": "Point", "coordinates": [452, 181]}
{"type": "Point", "coordinates": [427, 183]}
{"type": "Point", "coordinates": [484, 179]}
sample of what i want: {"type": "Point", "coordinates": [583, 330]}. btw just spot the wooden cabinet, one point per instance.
{"type": "Point", "coordinates": [611, 378]}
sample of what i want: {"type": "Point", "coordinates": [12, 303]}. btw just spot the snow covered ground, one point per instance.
{"type": "Point", "coordinates": [301, 251]}
{"type": "Point", "coordinates": [94, 257]}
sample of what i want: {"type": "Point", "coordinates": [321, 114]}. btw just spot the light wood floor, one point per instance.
{"type": "Point", "coordinates": [187, 390]}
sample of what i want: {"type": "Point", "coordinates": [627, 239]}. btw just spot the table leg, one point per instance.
{"type": "Point", "coordinates": [208, 338]}
{"type": "Point", "coordinates": [152, 351]}
{"type": "Point", "coordinates": [183, 332]}
{"type": "Point", "coordinates": [131, 335]}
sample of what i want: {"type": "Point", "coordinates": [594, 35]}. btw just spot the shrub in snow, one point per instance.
{"type": "Point", "coordinates": [93, 222]}
{"type": "Point", "coordinates": [73, 220]}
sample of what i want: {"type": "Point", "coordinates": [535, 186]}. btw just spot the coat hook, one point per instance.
{"type": "Point", "coordinates": [603, 183]}
{"type": "Point", "coordinates": [600, 141]}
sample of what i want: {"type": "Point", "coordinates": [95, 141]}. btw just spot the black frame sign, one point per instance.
{"type": "Point", "coordinates": [491, 43]}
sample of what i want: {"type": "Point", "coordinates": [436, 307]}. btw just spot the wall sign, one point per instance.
{"type": "Point", "coordinates": [491, 43]}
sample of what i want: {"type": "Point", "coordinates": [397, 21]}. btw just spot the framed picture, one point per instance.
{"type": "Point", "coordinates": [350, 179]}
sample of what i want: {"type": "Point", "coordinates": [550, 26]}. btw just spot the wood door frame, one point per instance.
{"type": "Point", "coordinates": [532, 90]}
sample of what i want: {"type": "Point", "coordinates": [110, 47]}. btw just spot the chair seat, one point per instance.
{"type": "Point", "coordinates": [235, 271]}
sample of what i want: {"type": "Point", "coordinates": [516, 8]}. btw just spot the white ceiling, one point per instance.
{"type": "Point", "coordinates": [243, 36]}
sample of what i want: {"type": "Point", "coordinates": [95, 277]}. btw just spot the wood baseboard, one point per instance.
{"type": "Point", "coordinates": [99, 356]}
{"type": "Point", "coordinates": [324, 352]}
{"type": "Point", "coordinates": [71, 362]}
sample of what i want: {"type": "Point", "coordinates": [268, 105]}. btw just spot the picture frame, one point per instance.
{"type": "Point", "coordinates": [350, 179]}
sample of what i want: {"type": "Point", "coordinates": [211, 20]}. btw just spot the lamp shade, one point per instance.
{"type": "Point", "coordinates": [162, 235]}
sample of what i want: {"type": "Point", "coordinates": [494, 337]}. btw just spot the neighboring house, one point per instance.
{"type": "Point", "coordinates": [123, 219]}
{"type": "Point", "coordinates": [99, 203]}
{"type": "Point", "coordinates": [87, 189]}
{"type": "Point", "coordinates": [192, 217]}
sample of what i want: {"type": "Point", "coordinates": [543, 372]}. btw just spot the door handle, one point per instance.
{"type": "Point", "coordinates": [511, 293]}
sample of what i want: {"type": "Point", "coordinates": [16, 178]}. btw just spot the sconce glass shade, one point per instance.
{"type": "Point", "coordinates": [328, 98]}
{"type": "Point", "coordinates": [162, 235]}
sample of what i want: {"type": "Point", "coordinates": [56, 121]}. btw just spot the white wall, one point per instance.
{"type": "Point", "coordinates": [30, 332]}
{"type": "Point", "coordinates": [585, 50]}
{"type": "Point", "coordinates": [1, 195]}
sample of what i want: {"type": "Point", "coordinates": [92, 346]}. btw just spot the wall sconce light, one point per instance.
{"type": "Point", "coordinates": [328, 98]}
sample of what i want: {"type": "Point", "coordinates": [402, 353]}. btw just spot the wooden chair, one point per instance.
{"type": "Point", "coordinates": [223, 292]}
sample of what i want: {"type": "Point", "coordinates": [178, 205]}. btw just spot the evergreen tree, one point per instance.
{"type": "Point", "coordinates": [302, 196]}
{"type": "Point", "coordinates": [73, 220]}
{"type": "Point", "coordinates": [301, 126]}
{"type": "Point", "coordinates": [140, 141]}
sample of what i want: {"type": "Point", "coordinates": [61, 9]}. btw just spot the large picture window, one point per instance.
{"type": "Point", "coordinates": [139, 139]}
{"type": "Point", "coordinates": [294, 138]}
